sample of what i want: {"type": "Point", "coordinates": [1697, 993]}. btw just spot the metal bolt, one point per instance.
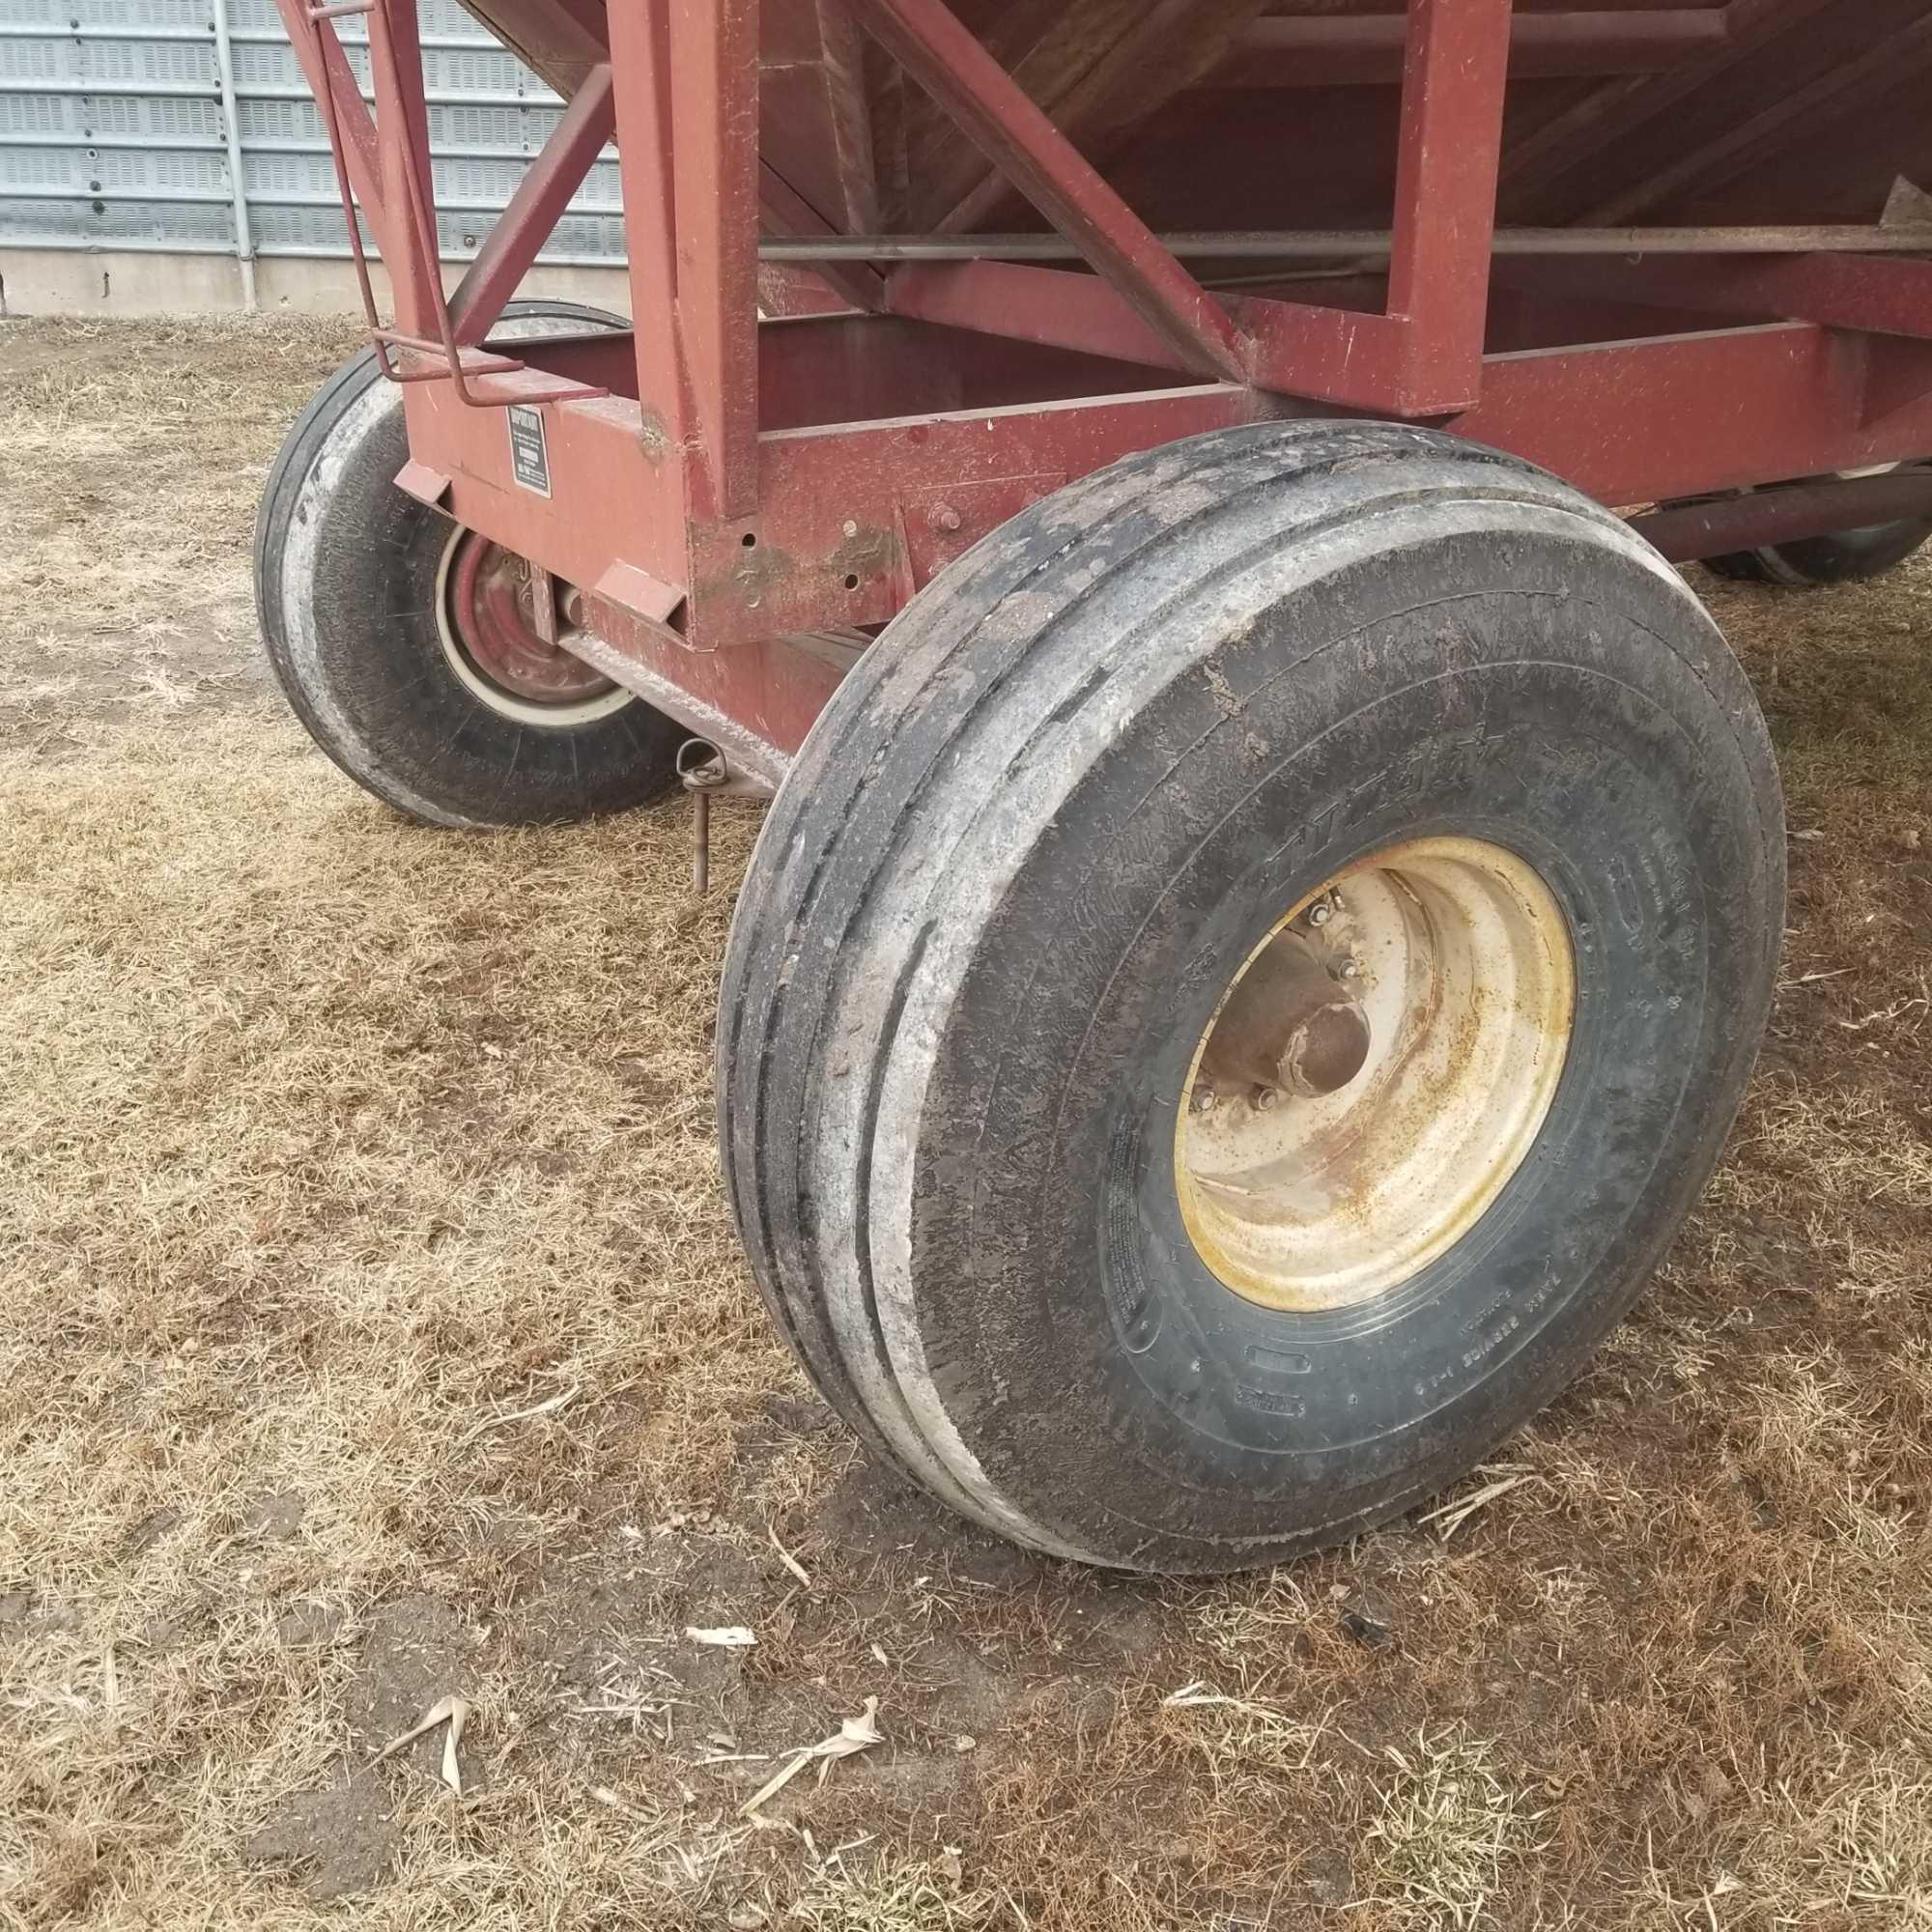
{"type": "Point", "coordinates": [943, 517]}
{"type": "Point", "coordinates": [1202, 1101]}
{"type": "Point", "coordinates": [1321, 913]}
{"type": "Point", "coordinates": [1352, 969]}
{"type": "Point", "coordinates": [1266, 1098]}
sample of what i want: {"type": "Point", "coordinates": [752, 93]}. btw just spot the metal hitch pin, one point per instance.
{"type": "Point", "coordinates": [701, 769]}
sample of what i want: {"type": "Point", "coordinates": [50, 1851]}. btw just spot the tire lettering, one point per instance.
{"type": "Point", "coordinates": [1270, 1402]}
{"type": "Point", "coordinates": [1492, 1342]}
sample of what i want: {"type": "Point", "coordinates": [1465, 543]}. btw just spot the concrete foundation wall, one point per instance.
{"type": "Point", "coordinates": [149, 147]}
{"type": "Point", "coordinates": [132, 282]}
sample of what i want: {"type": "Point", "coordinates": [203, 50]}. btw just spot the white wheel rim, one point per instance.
{"type": "Point", "coordinates": [487, 691]}
{"type": "Point", "coordinates": [1456, 956]}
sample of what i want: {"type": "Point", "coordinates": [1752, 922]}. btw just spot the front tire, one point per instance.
{"type": "Point", "coordinates": [1047, 824]}
{"type": "Point", "coordinates": [447, 711]}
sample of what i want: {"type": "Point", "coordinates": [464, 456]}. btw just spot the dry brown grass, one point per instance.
{"type": "Point", "coordinates": [131, 484]}
{"type": "Point", "coordinates": [329, 1147]}
{"type": "Point", "coordinates": [1449, 1829]}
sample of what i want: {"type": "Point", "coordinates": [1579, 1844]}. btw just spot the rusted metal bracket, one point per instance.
{"type": "Point", "coordinates": [426, 485]}
{"type": "Point", "coordinates": [754, 702]}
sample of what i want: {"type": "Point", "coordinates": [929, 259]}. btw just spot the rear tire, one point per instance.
{"type": "Point", "coordinates": [351, 586]}
{"type": "Point", "coordinates": [1812, 563]}
{"type": "Point", "coordinates": [1039, 830]}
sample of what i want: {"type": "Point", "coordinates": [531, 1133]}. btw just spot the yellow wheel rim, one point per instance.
{"type": "Point", "coordinates": [1375, 1074]}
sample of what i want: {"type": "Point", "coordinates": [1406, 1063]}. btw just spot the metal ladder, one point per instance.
{"type": "Point", "coordinates": [399, 108]}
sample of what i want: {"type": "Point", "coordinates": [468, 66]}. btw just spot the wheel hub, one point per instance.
{"type": "Point", "coordinates": [489, 618]}
{"type": "Point", "coordinates": [1375, 1074]}
{"type": "Point", "coordinates": [1292, 1024]}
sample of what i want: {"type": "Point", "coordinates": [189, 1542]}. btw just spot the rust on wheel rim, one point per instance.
{"type": "Point", "coordinates": [1375, 1073]}
{"type": "Point", "coordinates": [485, 617]}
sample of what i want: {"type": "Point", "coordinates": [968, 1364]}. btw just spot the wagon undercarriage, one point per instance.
{"type": "Point", "coordinates": [716, 481]}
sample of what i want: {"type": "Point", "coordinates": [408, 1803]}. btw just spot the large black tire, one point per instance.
{"type": "Point", "coordinates": [346, 589]}
{"type": "Point", "coordinates": [1037, 830]}
{"type": "Point", "coordinates": [1811, 563]}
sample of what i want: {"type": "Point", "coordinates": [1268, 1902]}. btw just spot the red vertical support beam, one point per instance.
{"type": "Point", "coordinates": [714, 67]}
{"type": "Point", "coordinates": [413, 258]}
{"type": "Point", "coordinates": [640, 90]}
{"type": "Point", "coordinates": [1454, 75]}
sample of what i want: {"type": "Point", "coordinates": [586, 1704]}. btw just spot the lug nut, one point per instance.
{"type": "Point", "coordinates": [1321, 913]}
{"type": "Point", "coordinates": [1266, 1098]}
{"type": "Point", "coordinates": [1352, 969]}
{"type": "Point", "coordinates": [1202, 1101]}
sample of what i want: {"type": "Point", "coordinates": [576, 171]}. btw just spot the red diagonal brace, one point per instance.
{"type": "Point", "coordinates": [531, 215]}
{"type": "Point", "coordinates": [999, 116]}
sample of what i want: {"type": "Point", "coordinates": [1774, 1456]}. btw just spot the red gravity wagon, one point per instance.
{"type": "Point", "coordinates": [1273, 884]}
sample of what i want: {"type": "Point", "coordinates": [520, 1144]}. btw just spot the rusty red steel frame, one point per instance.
{"type": "Point", "coordinates": [713, 484]}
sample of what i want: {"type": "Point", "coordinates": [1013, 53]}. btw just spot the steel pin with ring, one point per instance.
{"type": "Point", "coordinates": [701, 769]}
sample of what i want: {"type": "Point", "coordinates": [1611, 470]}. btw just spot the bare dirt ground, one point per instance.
{"type": "Point", "coordinates": [372, 1332]}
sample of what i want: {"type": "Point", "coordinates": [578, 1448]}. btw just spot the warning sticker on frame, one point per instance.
{"type": "Point", "coordinates": [530, 459]}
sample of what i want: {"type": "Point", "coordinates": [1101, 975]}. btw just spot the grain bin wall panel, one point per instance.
{"type": "Point", "coordinates": [113, 132]}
